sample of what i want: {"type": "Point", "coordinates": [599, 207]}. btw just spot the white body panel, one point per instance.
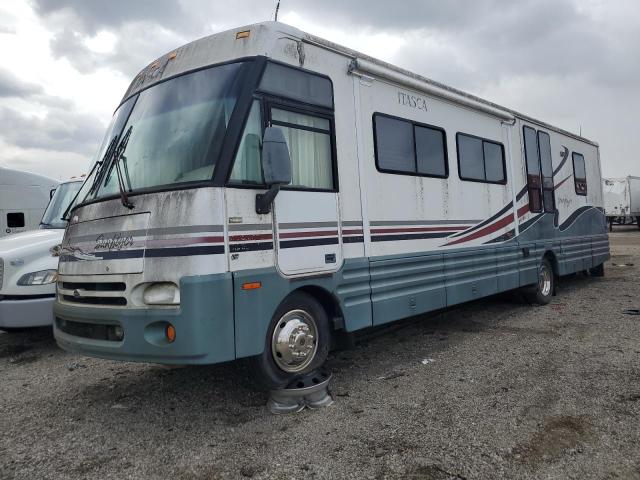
{"type": "Point", "coordinates": [622, 196]}
{"type": "Point", "coordinates": [21, 254]}
{"type": "Point", "coordinates": [26, 193]}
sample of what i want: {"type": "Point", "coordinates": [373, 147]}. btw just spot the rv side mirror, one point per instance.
{"type": "Point", "coordinates": [276, 167]}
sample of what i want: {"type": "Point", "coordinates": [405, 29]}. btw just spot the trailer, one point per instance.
{"type": "Point", "coordinates": [262, 191]}
{"type": "Point", "coordinates": [622, 200]}
{"type": "Point", "coordinates": [23, 199]}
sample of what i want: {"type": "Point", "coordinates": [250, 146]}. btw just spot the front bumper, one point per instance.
{"type": "Point", "coordinates": [204, 326]}
{"type": "Point", "coordinates": [26, 312]}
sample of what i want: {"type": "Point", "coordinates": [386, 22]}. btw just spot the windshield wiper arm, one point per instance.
{"type": "Point", "coordinates": [119, 155]}
{"type": "Point", "coordinates": [97, 168]}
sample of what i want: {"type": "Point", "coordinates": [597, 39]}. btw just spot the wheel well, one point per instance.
{"type": "Point", "coordinates": [328, 302]}
{"type": "Point", "coordinates": [553, 260]}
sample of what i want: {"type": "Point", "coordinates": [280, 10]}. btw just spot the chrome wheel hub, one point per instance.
{"type": "Point", "coordinates": [545, 281]}
{"type": "Point", "coordinates": [294, 341]}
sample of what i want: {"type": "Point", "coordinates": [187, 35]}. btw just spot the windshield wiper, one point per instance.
{"type": "Point", "coordinates": [97, 169]}
{"type": "Point", "coordinates": [119, 155]}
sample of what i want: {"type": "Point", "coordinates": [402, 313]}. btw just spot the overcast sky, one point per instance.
{"type": "Point", "coordinates": [575, 64]}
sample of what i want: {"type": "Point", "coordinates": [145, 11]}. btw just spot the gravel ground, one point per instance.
{"type": "Point", "coordinates": [513, 391]}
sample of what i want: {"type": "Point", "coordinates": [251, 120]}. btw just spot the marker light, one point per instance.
{"type": "Point", "coordinates": [243, 34]}
{"type": "Point", "coordinates": [251, 285]}
{"type": "Point", "coordinates": [170, 333]}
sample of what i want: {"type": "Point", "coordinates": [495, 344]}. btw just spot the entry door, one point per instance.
{"type": "Point", "coordinates": [306, 228]}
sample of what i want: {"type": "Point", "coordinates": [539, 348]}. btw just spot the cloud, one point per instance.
{"type": "Point", "coordinates": [12, 86]}
{"type": "Point", "coordinates": [59, 130]}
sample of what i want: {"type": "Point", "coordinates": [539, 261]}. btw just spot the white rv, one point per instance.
{"type": "Point", "coordinates": [622, 200]}
{"type": "Point", "coordinates": [23, 198]}
{"type": "Point", "coordinates": [28, 266]}
{"type": "Point", "coordinates": [262, 190]}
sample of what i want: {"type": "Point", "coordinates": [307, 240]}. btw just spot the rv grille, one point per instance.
{"type": "Point", "coordinates": [1, 271]}
{"type": "Point", "coordinates": [94, 293]}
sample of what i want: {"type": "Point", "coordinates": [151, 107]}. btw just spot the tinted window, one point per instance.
{"type": "Point", "coordinates": [531, 151]}
{"type": "Point", "coordinates": [309, 141]}
{"type": "Point", "coordinates": [579, 173]}
{"type": "Point", "coordinates": [430, 151]}
{"type": "Point", "coordinates": [408, 148]}
{"type": "Point", "coordinates": [247, 166]}
{"type": "Point", "coordinates": [546, 163]}
{"type": "Point", "coordinates": [15, 220]}
{"type": "Point", "coordinates": [394, 145]}
{"type": "Point", "coordinates": [470, 156]}
{"type": "Point", "coordinates": [480, 160]}
{"type": "Point", "coordinates": [493, 165]}
{"type": "Point", "coordinates": [297, 84]}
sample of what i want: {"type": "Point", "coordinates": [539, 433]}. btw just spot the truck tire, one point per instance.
{"type": "Point", "coordinates": [541, 292]}
{"type": "Point", "coordinates": [597, 271]}
{"type": "Point", "coordinates": [297, 342]}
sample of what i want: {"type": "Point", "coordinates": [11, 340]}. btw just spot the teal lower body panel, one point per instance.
{"type": "Point", "coordinates": [348, 288]}
{"type": "Point", "coordinates": [204, 326]}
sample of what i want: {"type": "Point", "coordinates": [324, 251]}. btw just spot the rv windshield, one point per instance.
{"type": "Point", "coordinates": [63, 196]}
{"type": "Point", "coordinates": [176, 130]}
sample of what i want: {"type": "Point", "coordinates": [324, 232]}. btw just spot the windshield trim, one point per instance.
{"type": "Point", "coordinates": [256, 65]}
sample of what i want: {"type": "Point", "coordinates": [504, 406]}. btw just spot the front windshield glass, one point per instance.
{"type": "Point", "coordinates": [176, 130]}
{"type": "Point", "coordinates": [58, 204]}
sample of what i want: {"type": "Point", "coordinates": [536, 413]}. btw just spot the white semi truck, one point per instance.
{"type": "Point", "coordinates": [28, 268]}
{"type": "Point", "coordinates": [23, 198]}
{"type": "Point", "coordinates": [622, 200]}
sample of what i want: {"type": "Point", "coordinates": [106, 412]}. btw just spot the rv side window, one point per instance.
{"type": "Point", "coordinates": [532, 161]}
{"type": "Point", "coordinates": [297, 84]}
{"type": "Point", "coordinates": [309, 140]}
{"type": "Point", "coordinates": [579, 173]}
{"type": "Point", "coordinates": [480, 160]}
{"type": "Point", "coordinates": [247, 166]}
{"type": "Point", "coordinates": [15, 220]}
{"type": "Point", "coordinates": [546, 166]}
{"type": "Point", "coordinates": [408, 148]}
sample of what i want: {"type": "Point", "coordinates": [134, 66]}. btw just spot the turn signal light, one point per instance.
{"type": "Point", "coordinates": [251, 285]}
{"type": "Point", "coordinates": [170, 333]}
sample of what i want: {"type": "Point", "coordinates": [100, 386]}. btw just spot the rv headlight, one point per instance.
{"type": "Point", "coordinates": [162, 293]}
{"type": "Point", "coordinates": [43, 277]}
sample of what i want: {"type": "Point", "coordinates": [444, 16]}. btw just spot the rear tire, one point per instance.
{"type": "Point", "coordinates": [297, 342]}
{"type": "Point", "coordinates": [541, 292]}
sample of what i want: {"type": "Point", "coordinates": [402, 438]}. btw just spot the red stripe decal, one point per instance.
{"type": "Point", "coordinates": [170, 242]}
{"type": "Point", "coordinates": [244, 238]}
{"type": "Point", "coordinates": [326, 233]}
{"type": "Point", "coordinates": [411, 230]}
{"type": "Point", "coordinates": [489, 229]}
{"type": "Point", "coordinates": [352, 232]}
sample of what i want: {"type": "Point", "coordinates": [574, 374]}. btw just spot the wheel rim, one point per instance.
{"type": "Point", "coordinates": [545, 281]}
{"type": "Point", "coordinates": [294, 342]}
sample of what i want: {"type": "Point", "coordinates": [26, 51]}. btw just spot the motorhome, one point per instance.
{"type": "Point", "coordinates": [23, 198]}
{"type": "Point", "coordinates": [29, 263]}
{"type": "Point", "coordinates": [622, 200]}
{"type": "Point", "coordinates": [262, 190]}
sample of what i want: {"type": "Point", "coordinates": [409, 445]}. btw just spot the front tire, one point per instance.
{"type": "Point", "coordinates": [297, 342]}
{"type": "Point", "coordinates": [542, 291]}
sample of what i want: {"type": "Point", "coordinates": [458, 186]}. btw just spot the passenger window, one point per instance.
{"type": "Point", "coordinates": [532, 161]}
{"type": "Point", "coordinates": [297, 84]}
{"type": "Point", "coordinates": [579, 173]}
{"type": "Point", "coordinates": [247, 166]}
{"type": "Point", "coordinates": [430, 151]}
{"type": "Point", "coordinates": [546, 167]}
{"type": "Point", "coordinates": [404, 147]}
{"type": "Point", "coordinates": [15, 220]}
{"type": "Point", "coordinates": [394, 145]}
{"type": "Point", "coordinates": [480, 160]}
{"type": "Point", "coordinates": [309, 140]}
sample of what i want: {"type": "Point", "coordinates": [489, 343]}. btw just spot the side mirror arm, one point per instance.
{"type": "Point", "coordinates": [265, 200]}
